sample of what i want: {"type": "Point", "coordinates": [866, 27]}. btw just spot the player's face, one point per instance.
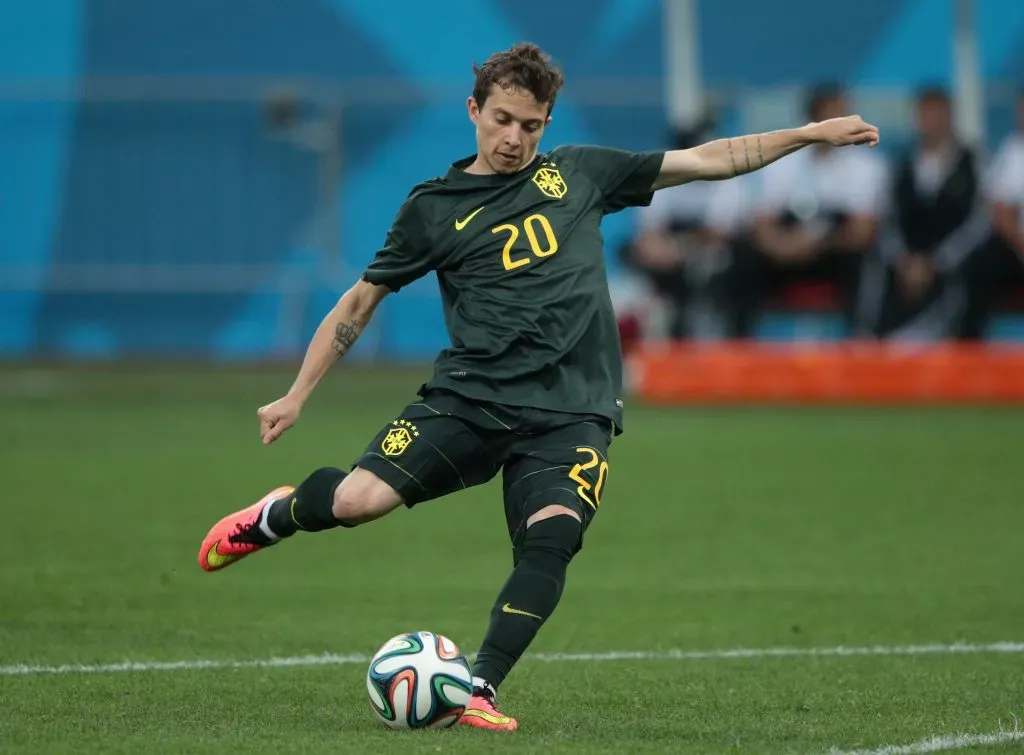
{"type": "Point", "coordinates": [508, 128]}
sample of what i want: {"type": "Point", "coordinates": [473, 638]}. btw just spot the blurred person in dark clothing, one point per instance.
{"type": "Point", "coordinates": [939, 218]}
{"type": "Point", "coordinates": [999, 266]}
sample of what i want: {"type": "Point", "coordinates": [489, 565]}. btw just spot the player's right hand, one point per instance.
{"type": "Point", "coordinates": [277, 417]}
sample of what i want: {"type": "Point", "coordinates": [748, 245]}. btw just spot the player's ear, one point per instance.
{"type": "Point", "coordinates": [474, 110]}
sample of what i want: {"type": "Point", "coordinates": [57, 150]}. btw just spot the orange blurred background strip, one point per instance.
{"type": "Point", "coordinates": [828, 373]}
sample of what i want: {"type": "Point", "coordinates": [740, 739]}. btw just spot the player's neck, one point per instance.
{"type": "Point", "coordinates": [479, 167]}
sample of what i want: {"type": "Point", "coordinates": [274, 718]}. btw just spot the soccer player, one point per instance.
{"type": "Point", "coordinates": [532, 383]}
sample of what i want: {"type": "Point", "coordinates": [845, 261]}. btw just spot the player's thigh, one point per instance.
{"type": "Point", "coordinates": [567, 466]}
{"type": "Point", "coordinates": [425, 454]}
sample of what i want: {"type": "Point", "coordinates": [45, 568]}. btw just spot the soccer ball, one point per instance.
{"type": "Point", "coordinates": [419, 680]}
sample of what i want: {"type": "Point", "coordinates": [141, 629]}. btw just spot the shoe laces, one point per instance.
{"type": "Point", "coordinates": [244, 533]}
{"type": "Point", "coordinates": [484, 694]}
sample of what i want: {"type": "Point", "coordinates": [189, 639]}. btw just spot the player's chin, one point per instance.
{"type": "Point", "coordinates": [507, 163]}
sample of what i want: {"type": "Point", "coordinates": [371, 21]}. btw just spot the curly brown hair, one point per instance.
{"type": "Point", "coordinates": [523, 66]}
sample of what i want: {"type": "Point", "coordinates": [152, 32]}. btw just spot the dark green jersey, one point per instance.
{"type": "Point", "coordinates": [520, 262]}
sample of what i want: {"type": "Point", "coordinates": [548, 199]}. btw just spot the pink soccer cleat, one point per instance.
{"type": "Point", "coordinates": [482, 714]}
{"type": "Point", "coordinates": [237, 535]}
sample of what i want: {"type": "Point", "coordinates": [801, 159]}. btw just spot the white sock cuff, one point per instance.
{"type": "Point", "coordinates": [484, 684]}
{"type": "Point", "coordinates": [264, 525]}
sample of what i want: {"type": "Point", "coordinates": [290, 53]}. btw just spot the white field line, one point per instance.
{"type": "Point", "coordinates": [960, 648]}
{"type": "Point", "coordinates": [941, 744]}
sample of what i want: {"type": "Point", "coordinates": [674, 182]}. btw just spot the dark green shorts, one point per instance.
{"type": "Point", "coordinates": [444, 443]}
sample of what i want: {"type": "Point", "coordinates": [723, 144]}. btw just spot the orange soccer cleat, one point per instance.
{"type": "Point", "coordinates": [482, 714]}
{"type": "Point", "coordinates": [237, 535]}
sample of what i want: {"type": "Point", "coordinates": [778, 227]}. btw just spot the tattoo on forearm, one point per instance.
{"type": "Point", "coordinates": [732, 158]}
{"type": "Point", "coordinates": [345, 335]}
{"type": "Point", "coordinates": [746, 154]}
{"type": "Point", "coordinates": [760, 153]}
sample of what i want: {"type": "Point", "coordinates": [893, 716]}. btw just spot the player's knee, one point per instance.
{"type": "Point", "coordinates": [362, 497]}
{"type": "Point", "coordinates": [555, 537]}
{"type": "Point", "coordinates": [555, 509]}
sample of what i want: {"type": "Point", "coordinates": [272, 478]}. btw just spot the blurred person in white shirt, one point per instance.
{"type": "Point", "coordinates": [683, 242]}
{"type": "Point", "coordinates": [817, 217]}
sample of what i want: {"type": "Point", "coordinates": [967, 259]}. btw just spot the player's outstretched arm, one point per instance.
{"type": "Point", "coordinates": [337, 333]}
{"type": "Point", "coordinates": [726, 158]}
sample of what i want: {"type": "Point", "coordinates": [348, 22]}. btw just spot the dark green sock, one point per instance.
{"type": "Point", "coordinates": [528, 598]}
{"type": "Point", "coordinates": [309, 508]}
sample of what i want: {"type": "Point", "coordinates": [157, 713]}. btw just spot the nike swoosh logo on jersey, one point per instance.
{"type": "Point", "coordinates": [460, 224]}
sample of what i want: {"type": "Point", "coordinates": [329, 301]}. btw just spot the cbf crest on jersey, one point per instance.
{"type": "Point", "coordinates": [550, 182]}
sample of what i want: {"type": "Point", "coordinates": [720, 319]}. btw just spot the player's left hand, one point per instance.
{"type": "Point", "coordinates": [845, 131]}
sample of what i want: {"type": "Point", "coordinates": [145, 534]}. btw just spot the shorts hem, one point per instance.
{"type": "Point", "coordinates": [410, 491]}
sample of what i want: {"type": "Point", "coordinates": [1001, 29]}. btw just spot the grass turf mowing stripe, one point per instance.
{"type": "Point", "coordinates": [329, 659]}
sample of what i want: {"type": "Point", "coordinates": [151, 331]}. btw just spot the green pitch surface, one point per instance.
{"type": "Point", "coordinates": [720, 529]}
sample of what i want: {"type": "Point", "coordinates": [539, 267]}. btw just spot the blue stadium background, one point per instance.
{"type": "Point", "coordinates": [72, 167]}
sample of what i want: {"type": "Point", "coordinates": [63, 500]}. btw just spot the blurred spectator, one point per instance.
{"type": "Point", "coordinates": [999, 266]}
{"type": "Point", "coordinates": [816, 218]}
{"type": "Point", "coordinates": [938, 219]}
{"type": "Point", "coordinates": [682, 244]}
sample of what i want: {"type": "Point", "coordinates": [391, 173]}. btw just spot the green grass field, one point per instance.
{"type": "Point", "coordinates": [720, 529]}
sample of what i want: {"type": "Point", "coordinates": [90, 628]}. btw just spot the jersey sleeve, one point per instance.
{"type": "Point", "coordinates": [624, 178]}
{"type": "Point", "coordinates": [407, 253]}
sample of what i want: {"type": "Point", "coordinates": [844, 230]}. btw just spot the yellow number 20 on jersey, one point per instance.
{"type": "Point", "coordinates": [539, 247]}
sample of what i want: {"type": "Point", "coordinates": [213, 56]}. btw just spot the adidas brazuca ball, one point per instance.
{"type": "Point", "coordinates": [419, 680]}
